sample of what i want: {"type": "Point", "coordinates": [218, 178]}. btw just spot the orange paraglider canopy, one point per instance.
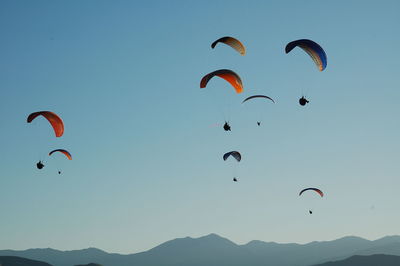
{"type": "Point", "coordinates": [227, 75]}
{"type": "Point", "coordinates": [65, 152]}
{"type": "Point", "coordinates": [54, 120]}
{"type": "Point", "coordinates": [232, 42]}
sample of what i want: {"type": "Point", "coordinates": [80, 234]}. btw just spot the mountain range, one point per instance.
{"type": "Point", "coordinates": [214, 250]}
{"type": "Point", "coordinates": [17, 261]}
{"type": "Point", "coordinates": [372, 260]}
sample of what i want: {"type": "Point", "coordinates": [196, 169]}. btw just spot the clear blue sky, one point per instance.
{"type": "Point", "coordinates": [147, 159]}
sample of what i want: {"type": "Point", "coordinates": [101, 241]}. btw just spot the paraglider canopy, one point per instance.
{"type": "Point", "coordinates": [65, 152]}
{"type": "Point", "coordinates": [54, 120]}
{"type": "Point", "coordinates": [313, 189]}
{"type": "Point", "coordinates": [227, 75]}
{"type": "Point", "coordinates": [258, 96]}
{"type": "Point", "coordinates": [234, 154]}
{"type": "Point", "coordinates": [313, 49]}
{"type": "Point", "coordinates": [232, 42]}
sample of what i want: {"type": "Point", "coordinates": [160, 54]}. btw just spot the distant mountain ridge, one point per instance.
{"type": "Point", "coordinates": [214, 250]}
{"type": "Point", "coordinates": [17, 261]}
{"type": "Point", "coordinates": [372, 260]}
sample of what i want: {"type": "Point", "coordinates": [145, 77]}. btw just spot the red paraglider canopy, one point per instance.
{"type": "Point", "coordinates": [54, 120]}
{"type": "Point", "coordinates": [312, 188]}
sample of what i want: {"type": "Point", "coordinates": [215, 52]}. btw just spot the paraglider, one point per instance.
{"type": "Point", "coordinates": [65, 152]}
{"type": "Point", "coordinates": [39, 165]}
{"type": "Point", "coordinates": [238, 158]}
{"type": "Point", "coordinates": [232, 42]}
{"type": "Point", "coordinates": [229, 76]}
{"type": "Point", "coordinates": [55, 121]}
{"type": "Point", "coordinates": [313, 49]}
{"type": "Point", "coordinates": [227, 127]}
{"type": "Point", "coordinates": [303, 101]}
{"type": "Point", "coordinates": [226, 74]}
{"type": "Point", "coordinates": [258, 96]}
{"type": "Point", "coordinates": [312, 189]}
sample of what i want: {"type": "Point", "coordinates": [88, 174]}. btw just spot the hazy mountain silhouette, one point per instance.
{"type": "Point", "coordinates": [17, 261]}
{"type": "Point", "coordinates": [213, 250]}
{"type": "Point", "coordinates": [207, 250]}
{"type": "Point", "coordinates": [372, 260]}
{"type": "Point", "coordinates": [388, 245]}
{"type": "Point", "coordinates": [62, 258]}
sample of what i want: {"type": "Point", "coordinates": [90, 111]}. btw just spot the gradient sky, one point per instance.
{"type": "Point", "coordinates": [147, 157]}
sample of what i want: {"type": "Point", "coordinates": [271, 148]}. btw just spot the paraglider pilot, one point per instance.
{"type": "Point", "coordinates": [235, 179]}
{"type": "Point", "coordinates": [39, 165]}
{"type": "Point", "coordinates": [303, 101]}
{"type": "Point", "coordinates": [227, 127]}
